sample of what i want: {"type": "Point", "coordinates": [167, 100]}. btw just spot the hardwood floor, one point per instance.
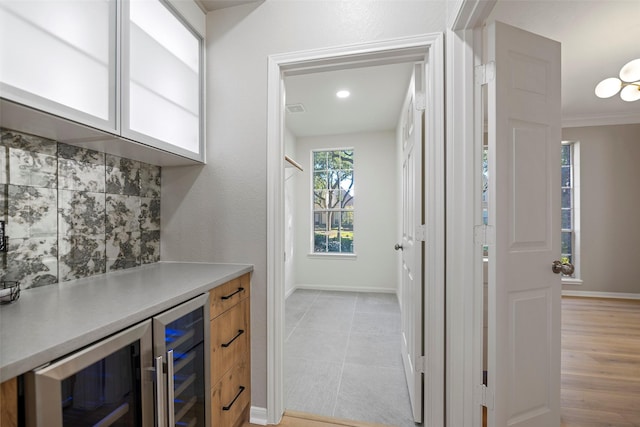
{"type": "Point", "coordinates": [600, 367]}
{"type": "Point", "coordinates": [303, 419]}
{"type": "Point", "coordinates": [600, 362]}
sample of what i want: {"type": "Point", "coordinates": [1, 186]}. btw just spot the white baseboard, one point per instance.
{"type": "Point", "coordinates": [595, 294]}
{"type": "Point", "coordinates": [258, 416]}
{"type": "Point", "coordinates": [341, 288]}
{"type": "Point", "coordinates": [289, 292]}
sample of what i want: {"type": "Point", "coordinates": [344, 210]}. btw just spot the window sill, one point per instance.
{"type": "Point", "coordinates": [571, 281]}
{"type": "Point", "coordinates": [351, 257]}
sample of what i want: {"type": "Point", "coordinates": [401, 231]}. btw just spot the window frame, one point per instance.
{"type": "Point", "coordinates": [575, 279]}
{"type": "Point", "coordinates": [313, 211]}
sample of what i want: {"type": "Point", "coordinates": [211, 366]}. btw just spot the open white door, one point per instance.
{"type": "Point", "coordinates": [524, 197]}
{"type": "Point", "coordinates": [411, 290]}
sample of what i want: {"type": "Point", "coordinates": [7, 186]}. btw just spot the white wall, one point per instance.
{"type": "Point", "coordinates": [290, 181]}
{"type": "Point", "coordinates": [375, 218]}
{"type": "Point", "coordinates": [218, 212]}
{"type": "Point", "coordinates": [610, 207]}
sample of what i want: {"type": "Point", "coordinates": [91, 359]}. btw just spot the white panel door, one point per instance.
{"type": "Point", "coordinates": [412, 247]}
{"type": "Point", "coordinates": [524, 191]}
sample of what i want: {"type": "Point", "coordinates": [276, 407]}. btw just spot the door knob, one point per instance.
{"type": "Point", "coordinates": [566, 268]}
{"type": "Point", "coordinates": [398, 247]}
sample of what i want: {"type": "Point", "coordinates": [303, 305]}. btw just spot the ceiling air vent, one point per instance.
{"type": "Point", "coordinates": [295, 108]}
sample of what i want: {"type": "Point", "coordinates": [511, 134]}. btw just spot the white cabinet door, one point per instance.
{"type": "Point", "coordinates": [60, 57]}
{"type": "Point", "coordinates": [161, 79]}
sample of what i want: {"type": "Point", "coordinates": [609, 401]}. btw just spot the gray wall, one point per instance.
{"type": "Point", "coordinates": [218, 212]}
{"type": "Point", "coordinates": [610, 207]}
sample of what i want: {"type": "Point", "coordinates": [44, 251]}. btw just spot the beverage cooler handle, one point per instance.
{"type": "Point", "coordinates": [160, 403]}
{"type": "Point", "coordinates": [170, 388]}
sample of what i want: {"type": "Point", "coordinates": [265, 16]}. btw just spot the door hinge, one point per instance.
{"type": "Point", "coordinates": [486, 396]}
{"type": "Point", "coordinates": [484, 235]}
{"type": "Point", "coordinates": [421, 101]}
{"type": "Point", "coordinates": [485, 73]}
{"type": "Point", "coordinates": [421, 363]}
{"type": "Point", "coordinates": [421, 233]}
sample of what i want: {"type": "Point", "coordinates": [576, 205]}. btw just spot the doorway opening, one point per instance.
{"type": "Point", "coordinates": [343, 327]}
{"type": "Point", "coordinates": [426, 48]}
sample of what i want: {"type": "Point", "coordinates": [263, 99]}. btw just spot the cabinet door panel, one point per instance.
{"type": "Point", "coordinates": [161, 78]}
{"type": "Point", "coordinates": [60, 57]}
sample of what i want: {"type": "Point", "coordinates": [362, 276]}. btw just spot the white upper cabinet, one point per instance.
{"type": "Point", "coordinates": [132, 68]}
{"type": "Point", "coordinates": [161, 79]}
{"type": "Point", "coordinates": [60, 56]}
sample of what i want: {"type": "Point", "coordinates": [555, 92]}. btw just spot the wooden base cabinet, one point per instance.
{"type": "Point", "coordinates": [230, 397]}
{"type": "Point", "coordinates": [9, 403]}
{"type": "Point", "coordinates": [230, 352]}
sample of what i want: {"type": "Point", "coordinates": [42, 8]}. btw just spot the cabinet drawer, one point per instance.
{"type": "Point", "coordinates": [231, 396]}
{"type": "Point", "coordinates": [229, 294]}
{"type": "Point", "coordinates": [229, 339]}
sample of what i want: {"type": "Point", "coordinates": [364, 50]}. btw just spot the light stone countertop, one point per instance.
{"type": "Point", "coordinates": [52, 321]}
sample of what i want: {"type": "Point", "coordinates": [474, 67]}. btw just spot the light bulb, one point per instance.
{"type": "Point", "coordinates": [343, 94]}
{"type": "Point", "coordinates": [631, 93]}
{"type": "Point", "coordinates": [631, 71]}
{"type": "Point", "coordinates": [608, 87]}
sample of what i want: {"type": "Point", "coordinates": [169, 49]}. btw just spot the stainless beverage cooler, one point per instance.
{"type": "Point", "coordinates": [155, 373]}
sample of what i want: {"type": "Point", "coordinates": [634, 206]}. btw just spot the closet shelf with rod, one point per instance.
{"type": "Point", "coordinates": [292, 163]}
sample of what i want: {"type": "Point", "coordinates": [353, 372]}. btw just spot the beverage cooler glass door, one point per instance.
{"type": "Point", "coordinates": [181, 344]}
{"type": "Point", "coordinates": [106, 384]}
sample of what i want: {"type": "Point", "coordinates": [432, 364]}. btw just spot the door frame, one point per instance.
{"type": "Point", "coordinates": [464, 276]}
{"type": "Point", "coordinates": [464, 302]}
{"type": "Point", "coordinates": [373, 53]}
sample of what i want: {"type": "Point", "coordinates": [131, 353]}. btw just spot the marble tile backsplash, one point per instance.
{"type": "Point", "coordinates": [72, 212]}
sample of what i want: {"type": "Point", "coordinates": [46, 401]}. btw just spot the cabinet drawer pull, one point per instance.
{"type": "Point", "coordinates": [240, 332]}
{"type": "Point", "coordinates": [226, 408]}
{"type": "Point", "coordinates": [232, 294]}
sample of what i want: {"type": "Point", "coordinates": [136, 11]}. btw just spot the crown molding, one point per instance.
{"type": "Point", "coordinates": [600, 120]}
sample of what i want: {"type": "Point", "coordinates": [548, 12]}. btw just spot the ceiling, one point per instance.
{"type": "Point", "coordinates": [377, 93]}
{"type": "Point", "coordinates": [598, 38]}
{"type": "Point", "coordinates": [209, 5]}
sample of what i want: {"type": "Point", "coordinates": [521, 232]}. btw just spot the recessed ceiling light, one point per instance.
{"type": "Point", "coordinates": [343, 94]}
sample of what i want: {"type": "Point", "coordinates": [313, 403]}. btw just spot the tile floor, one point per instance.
{"type": "Point", "coordinates": [342, 357]}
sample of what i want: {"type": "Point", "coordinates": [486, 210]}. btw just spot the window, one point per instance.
{"type": "Point", "coordinates": [570, 205]}
{"type": "Point", "coordinates": [333, 199]}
